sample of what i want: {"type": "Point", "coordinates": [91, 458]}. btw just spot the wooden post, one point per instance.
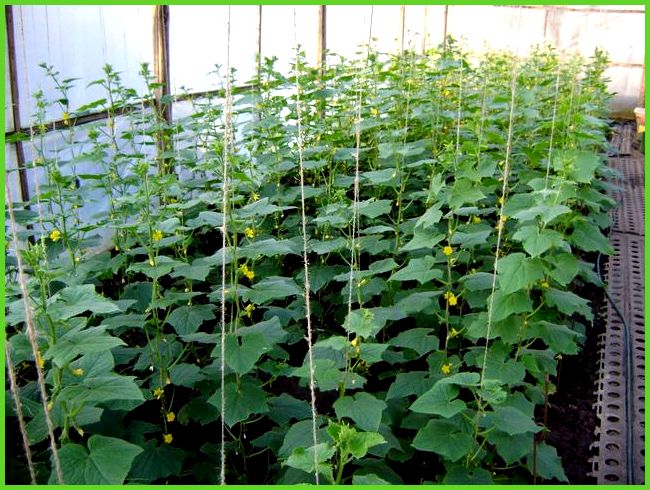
{"type": "Point", "coordinates": [322, 38]}
{"type": "Point", "coordinates": [642, 88]}
{"type": "Point", "coordinates": [444, 30]}
{"type": "Point", "coordinates": [162, 105]}
{"type": "Point", "coordinates": [259, 41]}
{"type": "Point", "coordinates": [425, 34]}
{"type": "Point", "coordinates": [15, 107]}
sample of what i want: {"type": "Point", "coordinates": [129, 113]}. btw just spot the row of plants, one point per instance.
{"type": "Point", "coordinates": [428, 366]}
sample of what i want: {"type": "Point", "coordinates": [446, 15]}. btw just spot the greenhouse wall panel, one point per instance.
{"type": "Point", "coordinates": [9, 117]}
{"type": "Point", "coordinates": [78, 41]}
{"type": "Point", "coordinates": [278, 33]}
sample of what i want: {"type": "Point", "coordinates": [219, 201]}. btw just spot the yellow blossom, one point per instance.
{"type": "Point", "coordinates": [168, 438]}
{"type": "Point", "coordinates": [374, 111]}
{"type": "Point", "coordinates": [545, 284]}
{"type": "Point", "coordinates": [171, 416]}
{"type": "Point", "coordinates": [66, 118]}
{"type": "Point", "coordinates": [500, 200]}
{"type": "Point", "coordinates": [50, 406]}
{"type": "Point", "coordinates": [158, 392]}
{"type": "Point", "coordinates": [453, 333]}
{"type": "Point", "coordinates": [247, 272]}
{"type": "Point", "coordinates": [151, 262]}
{"type": "Point", "coordinates": [476, 219]}
{"type": "Point", "coordinates": [447, 250]}
{"type": "Point", "coordinates": [355, 342]}
{"type": "Point", "coordinates": [451, 298]}
{"type": "Point", "coordinates": [248, 311]}
{"type": "Point", "coordinates": [255, 196]}
{"type": "Point", "coordinates": [80, 431]}
{"type": "Point", "coordinates": [55, 235]}
{"type": "Point", "coordinates": [40, 360]}
{"type": "Point", "coordinates": [446, 368]}
{"type": "Point", "coordinates": [78, 372]}
{"type": "Point", "coordinates": [157, 235]}
{"type": "Point", "coordinates": [250, 232]}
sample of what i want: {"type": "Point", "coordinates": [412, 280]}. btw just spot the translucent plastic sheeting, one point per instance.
{"type": "Point", "coordinates": [486, 27]}
{"type": "Point", "coordinates": [424, 26]}
{"type": "Point", "coordinates": [78, 41]}
{"type": "Point", "coordinates": [198, 40]}
{"type": "Point", "coordinates": [278, 33]}
{"type": "Point", "coordinates": [625, 82]}
{"type": "Point", "coordinates": [348, 28]}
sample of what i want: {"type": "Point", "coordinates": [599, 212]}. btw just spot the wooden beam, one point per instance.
{"type": "Point", "coordinates": [402, 21]}
{"type": "Point", "coordinates": [259, 41]}
{"type": "Point", "coordinates": [161, 73]}
{"type": "Point", "coordinates": [15, 98]}
{"type": "Point", "coordinates": [444, 30]}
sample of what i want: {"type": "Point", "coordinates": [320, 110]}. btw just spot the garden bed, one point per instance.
{"type": "Point", "coordinates": [400, 184]}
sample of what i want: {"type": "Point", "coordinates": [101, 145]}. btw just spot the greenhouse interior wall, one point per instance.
{"type": "Point", "coordinates": [193, 43]}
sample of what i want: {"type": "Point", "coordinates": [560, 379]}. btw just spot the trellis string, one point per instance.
{"type": "Point", "coordinates": [312, 383]}
{"type": "Point", "coordinates": [550, 144]}
{"type": "Point", "coordinates": [31, 335]}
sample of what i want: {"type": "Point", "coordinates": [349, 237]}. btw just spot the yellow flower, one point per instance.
{"type": "Point", "coordinates": [55, 235]}
{"type": "Point", "coordinates": [158, 392]}
{"type": "Point", "coordinates": [476, 220]}
{"type": "Point", "coordinates": [157, 235]}
{"type": "Point", "coordinates": [247, 272]}
{"type": "Point", "coordinates": [453, 333]}
{"type": "Point", "coordinates": [255, 196]}
{"type": "Point", "coordinates": [447, 250]}
{"type": "Point", "coordinates": [451, 298]}
{"type": "Point", "coordinates": [50, 406]}
{"type": "Point", "coordinates": [80, 431]}
{"type": "Point", "coordinates": [168, 438]}
{"type": "Point", "coordinates": [355, 342]}
{"type": "Point", "coordinates": [250, 232]}
{"type": "Point", "coordinates": [374, 111]}
{"type": "Point", "coordinates": [248, 311]}
{"type": "Point", "coordinates": [545, 284]}
{"type": "Point", "coordinates": [500, 200]}
{"type": "Point", "coordinates": [446, 368]}
{"type": "Point", "coordinates": [40, 360]}
{"type": "Point", "coordinates": [78, 372]}
{"type": "Point", "coordinates": [171, 416]}
{"type": "Point", "coordinates": [66, 118]}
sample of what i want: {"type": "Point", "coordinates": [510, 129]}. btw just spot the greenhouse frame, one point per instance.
{"type": "Point", "coordinates": [324, 244]}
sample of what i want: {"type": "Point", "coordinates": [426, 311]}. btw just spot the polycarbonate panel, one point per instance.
{"type": "Point", "coordinates": [78, 41]}
{"type": "Point", "coordinates": [9, 117]}
{"type": "Point", "coordinates": [198, 41]}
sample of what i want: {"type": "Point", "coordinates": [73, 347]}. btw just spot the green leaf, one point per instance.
{"type": "Point", "coordinates": [76, 342]}
{"type": "Point", "coordinates": [568, 302]}
{"type": "Point", "coordinates": [547, 212]}
{"type": "Point", "coordinates": [560, 338]}
{"type": "Point", "coordinates": [163, 266]}
{"type": "Point", "coordinates": [98, 465]}
{"type": "Point", "coordinates": [421, 340]}
{"type": "Point", "coordinates": [186, 374]}
{"type": "Point", "coordinates": [430, 218]}
{"type": "Point", "coordinates": [479, 281]}
{"type": "Point", "coordinates": [464, 191]}
{"type": "Point", "coordinates": [197, 271]}
{"type": "Point", "coordinates": [269, 248]}
{"type": "Point", "coordinates": [305, 459]}
{"type": "Point", "coordinates": [156, 461]}
{"type": "Point", "coordinates": [406, 384]}
{"type": "Point", "coordinates": [100, 389]}
{"type": "Point", "coordinates": [362, 323]}
{"type": "Point", "coordinates": [243, 352]}
{"type": "Point", "coordinates": [285, 407]}
{"type": "Point", "coordinates": [565, 267]}
{"type": "Point", "coordinates": [418, 270]}
{"type": "Point", "coordinates": [511, 447]}
{"type": "Point", "coordinates": [361, 442]}
{"type": "Point", "coordinates": [261, 208]}
{"type": "Point", "coordinates": [363, 408]}
{"type": "Point", "coordinates": [439, 400]}
{"type": "Point", "coordinates": [368, 479]}
{"type": "Point", "coordinates": [510, 420]}
{"type": "Point", "coordinates": [466, 239]}
{"type": "Point", "coordinates": [130, 320]}
{"type": "Point", "coordinates": [374, 208]}
{"type": "Point", "coordinates": [243, 399]}
{"type": "Point", "coordinates": [536, 241]}
{"type": "Point", "coordinates": [300, 435]}
{"type": "Point", "coordinates": [517, 272]}
{"type": "Point", "coordinates": [188, 319]}
{"type": "Point", "coordinates": [548, 464]}
{"type": "Point", "coordinates": [74, 300]}
{"type": "Point", "coordinates": [588, 237]}
{"type": "Point", "coordinates": [387, 175]}
{"type": "Point", "coordinates": [583, 166]}
{"type": "Point", "coordinates": [460, 475]}
{"type": "Point", "coordinates": [271, 288]}
{"type": "Point", "coordinates": [448, 438]}
{"type": "Point", "coordinates": [423, 238]}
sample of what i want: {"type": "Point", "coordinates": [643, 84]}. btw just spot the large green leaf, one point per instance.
{"type": "Point", "coordinates": [269, 248]}
{"type": "Point", "coordinates": [271, 288]}
{"type": "Point", "coordinates": [547, 463]}
{"type": "Point", "coordinates": [439, 400]}
{"type": "Point", "coordinates": [106, 462]}
{"type": "Point", "coordinates": [305, 459]}
{"type": "Point", "coordinates": [102, 389]}
{"type": "Point", "coordinates": [510, 420]}
{"type": "Point", "coordinates": [361, 323]}
{"type": "Point", "coordinates": [517, 272]}
{"type": "Point", "coordinates": [505, 305]}
{"type": "Point", "coordinates": [406, 384]}
{"type": "Point", "coordinates": [75, 342]}
{"type": "Point", "coordinates": [363, 408]}
{"type": "Point", "coordinates": [448, 438]}
{"type": "Point", "coordinates": [588, 237]}
{"type": "Point", "coordinates": [188, 319]}
{"type": "Point", "coordinates": [74, 300]}
{"type": "Point", "coordinates": [568, 302]}
{"type": "Point", "coordinates": [421, 340]}
{"type": "Point", "coordinates": [156, 461]}
{"type": "Point", "coordinates": [373, 209]}
{"type": "Point", "coordinates": [243, 352]}
{"type": "Point", "coordinates": [420, 270]}
{"type": "Point", "coordinates": [243, 399]}
{"type": "Point", "coordinates": [536, 241]}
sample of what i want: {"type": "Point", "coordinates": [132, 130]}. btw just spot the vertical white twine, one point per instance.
{"type": "Point", "coordinates": [31, 335]}
{"type": "Point", "coordinates": [312, 382]}
{"type": "Point", "coordinates": [224, 231]}
{"type": "Point", "coordinates": [550, 144]}
{"type": "Point", "coordinates": [15, 392]}
{"type": "Point", "coordinates": [504, 190]}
